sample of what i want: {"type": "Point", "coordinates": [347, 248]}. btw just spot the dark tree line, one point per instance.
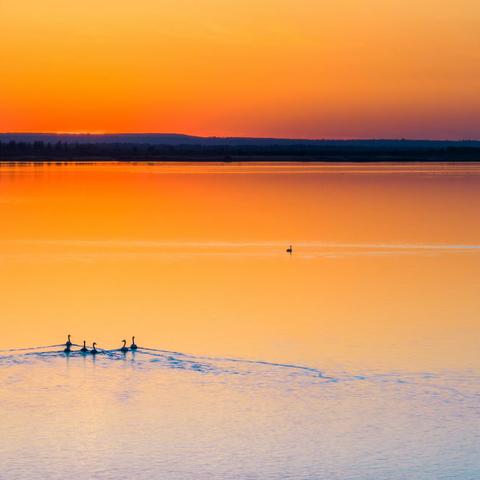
{"type": "Point", "coordinates": [68, 151]}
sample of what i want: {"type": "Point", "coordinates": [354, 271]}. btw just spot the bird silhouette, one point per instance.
{"type": "Point", "coordinates": [124, 348]}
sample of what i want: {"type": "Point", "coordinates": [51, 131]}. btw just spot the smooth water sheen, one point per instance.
{"type": "Point", "coordinates": [354, 358]}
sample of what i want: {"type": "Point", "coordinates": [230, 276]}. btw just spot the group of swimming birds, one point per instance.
{"type": "Point", "coordinates": [94, 351]}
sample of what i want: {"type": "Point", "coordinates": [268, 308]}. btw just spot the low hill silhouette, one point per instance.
{"type": "Point", "coordinates": [177, 147]}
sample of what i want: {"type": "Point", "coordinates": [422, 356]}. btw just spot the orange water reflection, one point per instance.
{"type": "Point", "coordinates": [192, 258]}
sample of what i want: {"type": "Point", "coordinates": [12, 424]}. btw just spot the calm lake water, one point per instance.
{"type": "Point", "coordinates": [356, 357]}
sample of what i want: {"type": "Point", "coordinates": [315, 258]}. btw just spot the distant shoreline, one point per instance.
{"type": "Point", "coordinates": [367, 157]}
{"type": "Point", "coordinates": [44, 148]}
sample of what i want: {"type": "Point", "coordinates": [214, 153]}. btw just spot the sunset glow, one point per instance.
{"type": "Point", "coordinates": [240, 240]}
{"type": "Point", "coordinates": [303, 68]}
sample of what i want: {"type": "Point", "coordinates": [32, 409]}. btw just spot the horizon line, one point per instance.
{"type": "Point", "coordinates": [305, 139]}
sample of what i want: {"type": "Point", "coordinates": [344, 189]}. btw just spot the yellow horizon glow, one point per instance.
{"type": "Point", "coordinates": [304, 68]}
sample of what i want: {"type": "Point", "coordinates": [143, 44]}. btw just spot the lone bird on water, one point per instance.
{"type": "Point", "coordinates": [124, 348]}
{"type": "Point", "coordinates": [84, 349]}
{"type": "Point", "coordinates": [133, 346]}
{"type": "Point", "coordinates": [94, 351]}
{"type": "Point", "coordinates": [290, 250]}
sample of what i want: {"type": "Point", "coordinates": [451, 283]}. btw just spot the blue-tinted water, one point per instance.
{"type": "Point", "coordinates": [159, 414]}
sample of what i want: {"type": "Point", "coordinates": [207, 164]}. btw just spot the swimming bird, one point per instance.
{"type": "Point", "coordinates": [124, 348]}
{"type": "Point", "coordinates": [94, 351]}
{"type": "Point", "coordinates": [67, 349]}
{"type": "Point", "coordinates": [290, 250]}
{"type": "Point", "coordinates": [84, 349]}
{"type": "Point", "coordinates": [69, 343]}
{"type": "Point", "coordinates": [133, 346]}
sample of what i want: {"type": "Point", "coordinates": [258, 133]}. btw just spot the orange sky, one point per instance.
{"type": "Point", "coordinates": [298, 68]}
